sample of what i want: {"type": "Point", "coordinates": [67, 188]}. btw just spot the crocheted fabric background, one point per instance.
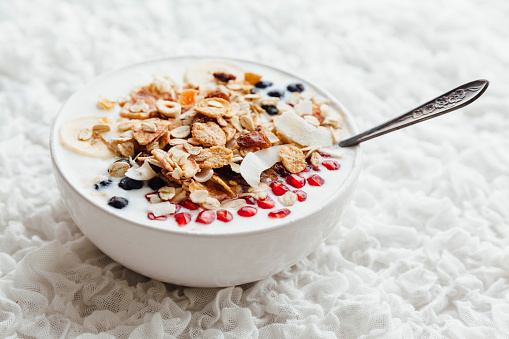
{"type": "Point", "coordinates": [423, 249]}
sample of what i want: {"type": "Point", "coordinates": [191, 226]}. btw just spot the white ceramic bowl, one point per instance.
{"type": "Point", "coordinates": [206, 259]}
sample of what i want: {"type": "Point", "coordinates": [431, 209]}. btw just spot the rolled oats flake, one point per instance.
{"type": "Point", "coordinates": [118, 169]}
{"type": "Point", "coordinates": [85, 134]}
{"type": "Point", "coordinates": [180, 132]}
{"type": "Point", "coordinates": [199, 196]}
{"type": "Point", "coordinates": [288, 199]}
{"type": "Point", "coordinates": [101, 128]}
{"type": "Point", "coordinates": [139, 106]}
{"type": "Point", "coordinates": [148, 126]}
{"type": "Point", "coordinates": [316, 159]}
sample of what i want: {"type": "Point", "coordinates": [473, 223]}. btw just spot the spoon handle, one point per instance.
{"type": "Point", "coordinates": [447, 102]}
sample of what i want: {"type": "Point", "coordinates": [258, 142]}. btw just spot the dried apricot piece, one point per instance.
{"type": "Point", "coordinates": [252, 78]}
{"type": "Point", "coordinates": [188, 98]}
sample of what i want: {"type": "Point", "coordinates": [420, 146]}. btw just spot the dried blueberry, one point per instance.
{"type": "Point", "coordinates": [263, 84]}
{"type": "Point", "coordinates": [276, 93]}
{"type": "Point", "coordinates": [270, 109]}
{"type": "Point", "coordinates": [102, 183]}
{"type": "Point", "coordinates": [128, 184]}
{"type": "Point", "coordinates": [118, 202]}
{"type": "Point", "coordinates": [254, 91]}
{"type": "Point", "coordinates": [156, 183]}
{"type": "Point", "coordinates": [297, 87]}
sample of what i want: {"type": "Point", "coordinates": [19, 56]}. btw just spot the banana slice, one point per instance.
{"type": "Point", "coordinates": [201, 74]}
{"type": "Point", "coordinates": [77, 136]}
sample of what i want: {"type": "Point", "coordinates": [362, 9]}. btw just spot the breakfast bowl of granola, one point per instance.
{"type": "Point", "coordinates": [204, 172]}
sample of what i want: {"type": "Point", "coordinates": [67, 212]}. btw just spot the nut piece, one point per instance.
{"type": "Point", "coordinates": [292, 158]}
{"type": "Point", "coordinates": [215, 157]}
{"type": "Point", "coordinates": [288, 199]}
{"type": "Point", "coordinates": [213, 107]}
{"type": "Point", "coordinates": [168, 108]}
{"type": "Point", "coordinates": [84, 134]}
{"type": "Point", "coordinates": [209, 134]}
{"type": "Point", "coordinates": [118, 169]}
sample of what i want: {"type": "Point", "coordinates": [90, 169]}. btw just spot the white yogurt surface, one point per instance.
{"type": "Point", "coordinates": [81, 170]}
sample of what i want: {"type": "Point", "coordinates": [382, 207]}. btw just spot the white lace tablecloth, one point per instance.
{"type": "Point", "coordinates": [421, 252]}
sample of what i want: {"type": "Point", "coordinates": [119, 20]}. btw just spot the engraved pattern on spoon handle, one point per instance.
{"type": "Point", "coordinates": [448, 102]}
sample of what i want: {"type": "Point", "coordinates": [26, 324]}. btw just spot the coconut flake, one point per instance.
{"type": "Point", "coordinates": [144, 172]}
{"type": "Point", "coordinates": [302, 132]}
{"type": "Point", "coordinates": [161, 208]}
{"type": "Point", "coordinates": [304, 107]}
{"type": "Point", "coordinates": [334, 152]}
{"type": "Point", "coordinates": [256, 162]}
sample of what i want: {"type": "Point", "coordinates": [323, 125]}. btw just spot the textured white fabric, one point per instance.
{"type": "Point", "coordinates": [422, 251]}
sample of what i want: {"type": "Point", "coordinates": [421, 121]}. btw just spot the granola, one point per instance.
{"type": "Point", "coordinates": [221, 140]}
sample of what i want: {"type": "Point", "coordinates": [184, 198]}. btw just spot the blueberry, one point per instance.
{"type": "Point", "coordinates": [128, 184]}
{"type": "Point", "coordinates": [297, 87]}
{"type": "Point", "coordinates": [263, 84]}
{"type": "Point", "coordinates": [276, 93]}
{"type": "Point", "coordinates": [270, 109]}
{"type": "Point", "coordinates": [118, 202]}
{"type": "Point", "coordinates": [254, 91]}
{"type": "Point", "coordinates": [156, 183]}
{"type": "Point", "coordinates": [102, 183]}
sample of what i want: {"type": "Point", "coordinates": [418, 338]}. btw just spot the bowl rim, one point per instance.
{"type": "Point", "coordinates": [349, 180]}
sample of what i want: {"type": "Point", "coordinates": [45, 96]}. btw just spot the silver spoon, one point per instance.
{"type": "Point", "coordinates": [447, 102]}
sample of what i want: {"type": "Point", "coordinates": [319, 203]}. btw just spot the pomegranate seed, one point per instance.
{"type": "Point", "coordinates": [279, 214]}
{"type": "Point", "coordinates": [149, 195]}
{"type": "Point", "coordinates": [331, 165]}
{"type": "Point", "coordinates": [266, 203]}
{"type": "Point", "coordinates": [301, 195]}
{"type": "Point", "coordinates": [206, 217]}
{"type": "Point", "coordinates": [224, 215]}
{"type": "Point", "coordinates": [278, 188]}
{"type": "Point", "coordinates": [247, 211]}
{"type": "Point", "coordinates": [189, 205]}
{"type": "Point", "coordinates": [183, 218]}
{"type": "Point", "coordinates": [315, 180]}
{"type": "Point", "coordinates": [249, 200]}
{"type": "Point", "coordinates": [295, 180]}
{"type": "Point", "coordinates": [325, 155]}
{"type": "Point", "coordinates": [151, 216]}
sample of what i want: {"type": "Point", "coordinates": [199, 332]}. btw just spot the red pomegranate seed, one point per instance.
{"type": "Point", "coordinates": [183, 218]}
{"type": "Point", "coordinates": [295, 180]}
{"type": "Point", "coordinates": [249, 200]}
{"type": "Point", "coordinates": [331, 165]}
{"type": "Point", "coordinates": [151, 216]}
{"type": "Point", "coordinates": [189, 205]}
{"type": "Point", "coordinates": [325, 155]}
{"type": "Point", "coordinates": [278, 188]}
{"type": "Point", "coordinates": [224, 215]}
{"type": "Point", "coordinates": [315, 180]}
{"type": "Point", "coordinates": [206, 217]}
{"type": "Point", "coordinates": [247, 211]}
{"type": "Point", "coordinates": [149, 195]}
{"type": "Point", "coordinates": [279, 214]}
{"type": "Point", "coordinates": [266, 203]}
{"type": "Point", "coordinates": [301, 195]}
